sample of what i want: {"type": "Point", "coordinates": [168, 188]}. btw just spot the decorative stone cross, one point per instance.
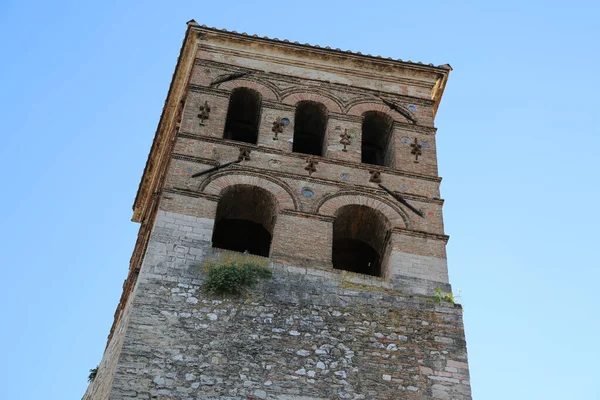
{"type": "Point", "coordinates": [204, 112]}
{"type": "Point", "coordinates": [345, 139]}
{"type": "Point", "coordinates": [244, 154]}
{"type": "Point", "coordinates": [311, 166]}
{"type": "Point", "coordinates": [416, 150]}
{"type": "Point", "coordinates": [277, 128]}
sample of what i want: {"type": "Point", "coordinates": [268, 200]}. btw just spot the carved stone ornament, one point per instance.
{"type": "Point", "coordinates": [345, 139]}
{"type": "Point", "coordinates": [244, 154]}
{"type": "Point", "coordinates": [204, 112]}
{"type": "Point", "coordinates": [416, 150]}
{"type": "Point", "coordinates": [311, 166]}
{"type": "Point", "coordinates": [375, 176]}
{"type": "Point", "coordinates": [277, 128]}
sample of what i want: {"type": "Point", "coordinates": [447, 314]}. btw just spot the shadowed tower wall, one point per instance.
{"type": "Point", "coordinates": [351, 310]}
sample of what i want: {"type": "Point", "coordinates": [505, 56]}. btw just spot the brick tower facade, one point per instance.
{"type": "Point", "coordinates": [333, 185]}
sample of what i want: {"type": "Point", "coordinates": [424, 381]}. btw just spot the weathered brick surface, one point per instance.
{"type": "Point", "coordinates": [328, 169]}
{"type": "Point", "coordinates": [267, 93]}
{"type": "Point", "coordinates": [332, 204]}
{"type": "Point", "coordinates": [284, 198]}
{"type": "Point", "coordinates": [215, 124]}
{"type": "Point", "coordinates": [326, 181]}
{"type": "Point", "coordinates": [292, 235]}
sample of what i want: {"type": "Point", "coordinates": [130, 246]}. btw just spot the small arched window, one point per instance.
{"type": "Point", "coordinates": [310, 123]}
{"type": "Point", "coordinates": [243, 115]}
{"type": "Point", "coordinates": [245, 220]}
{"type": "Point", "coordinates": [360, 236]}
{"type": "Point", "coordinates": [376, 137]}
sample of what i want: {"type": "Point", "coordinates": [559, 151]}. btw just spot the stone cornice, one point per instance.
{"type": "Point", "coordinates": [200, 160]}
{"type": "Point", "coordinates": [320, 181]}
{"type": "Point", "coordinates": [325, 218]}
{"type": "Point", "coordinates": [426, 130]}
{"type": "Point", "coordinates": [345, 117]}
{"type": "Point", "coordinates": [320, 159]}
{"type": "Point", "coordinates": [278, 106]}
{"type": "Point", "coordinates": [421, 234]}
{"type": "Point", "coordinates": [191, 193]}
{"type": "Point", "coordinates": [206, 89]}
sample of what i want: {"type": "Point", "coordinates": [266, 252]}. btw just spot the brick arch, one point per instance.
{"type": "Point", "coordinates": [330, 205]}
{"type": "Point", "coordinates": [331, 103]}
{"type": "Point", "coordinates": [361, 108]}
{"type": "Point", "coordinates": [266, 92]}
{"type": "Point", "coordinates": [280, 191]}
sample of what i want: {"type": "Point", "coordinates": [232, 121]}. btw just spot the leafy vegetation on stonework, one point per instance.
{"type": "Point", "coordinates": [93, 373]}
{"type": "Point", "coordinates": [233, 277]}
{"type": "Point", "coordinates": [450, 297]}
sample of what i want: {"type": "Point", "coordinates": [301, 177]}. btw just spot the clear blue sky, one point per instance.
{"type": "Point", "coordinates": [82, 85]}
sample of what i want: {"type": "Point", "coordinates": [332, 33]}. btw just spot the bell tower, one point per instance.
{"type": "Point", "coordinates": [318, 165]}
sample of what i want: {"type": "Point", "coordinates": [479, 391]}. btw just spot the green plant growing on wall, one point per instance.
{"type": "Point", "coordinates": [93, 373]}
{"type": "Point", "coordinates": [439, 295]}
{"type": "Point", "coordinates": [232, 278]}
{"type": "Point", "coordinates": [449, 297]}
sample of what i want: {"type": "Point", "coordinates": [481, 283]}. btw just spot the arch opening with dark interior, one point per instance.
{"type": "Point", "coordinates": [243, 115]}
{"type": "Point", "coordinates": [376, 137]}
{"type": "Point", "coordinates": [310, 123]}
{"type": "Point", "coordinates": [245, 219]}
{"type": "Point", "coordinates": [360, 238]}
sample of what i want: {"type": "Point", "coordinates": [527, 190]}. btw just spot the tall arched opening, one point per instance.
{"type": "Point", "coordinates": [310, 123]}
{"type": "Point", "coordinates": [243, 115]}
{"type": "Point", "coordinates": [245, 220]}
{"type": "Point", "coordinates": [360, 240]}
{"type": "Point", "coordinates": [376, 137]}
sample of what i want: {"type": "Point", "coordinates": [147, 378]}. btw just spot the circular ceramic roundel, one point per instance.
{"type": "Point", "coordinates": [412, 107]}
{"type": "Point", "coordinates": [306, 192]}
{"type": "Point", "coordinates": [285, 121]}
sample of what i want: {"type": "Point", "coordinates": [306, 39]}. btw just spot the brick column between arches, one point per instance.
{"type": "Point", "coordinates": [302, 241]}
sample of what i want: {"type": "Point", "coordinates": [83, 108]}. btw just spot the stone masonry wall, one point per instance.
{"type": "Point", "coordinates": [304, 334]}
